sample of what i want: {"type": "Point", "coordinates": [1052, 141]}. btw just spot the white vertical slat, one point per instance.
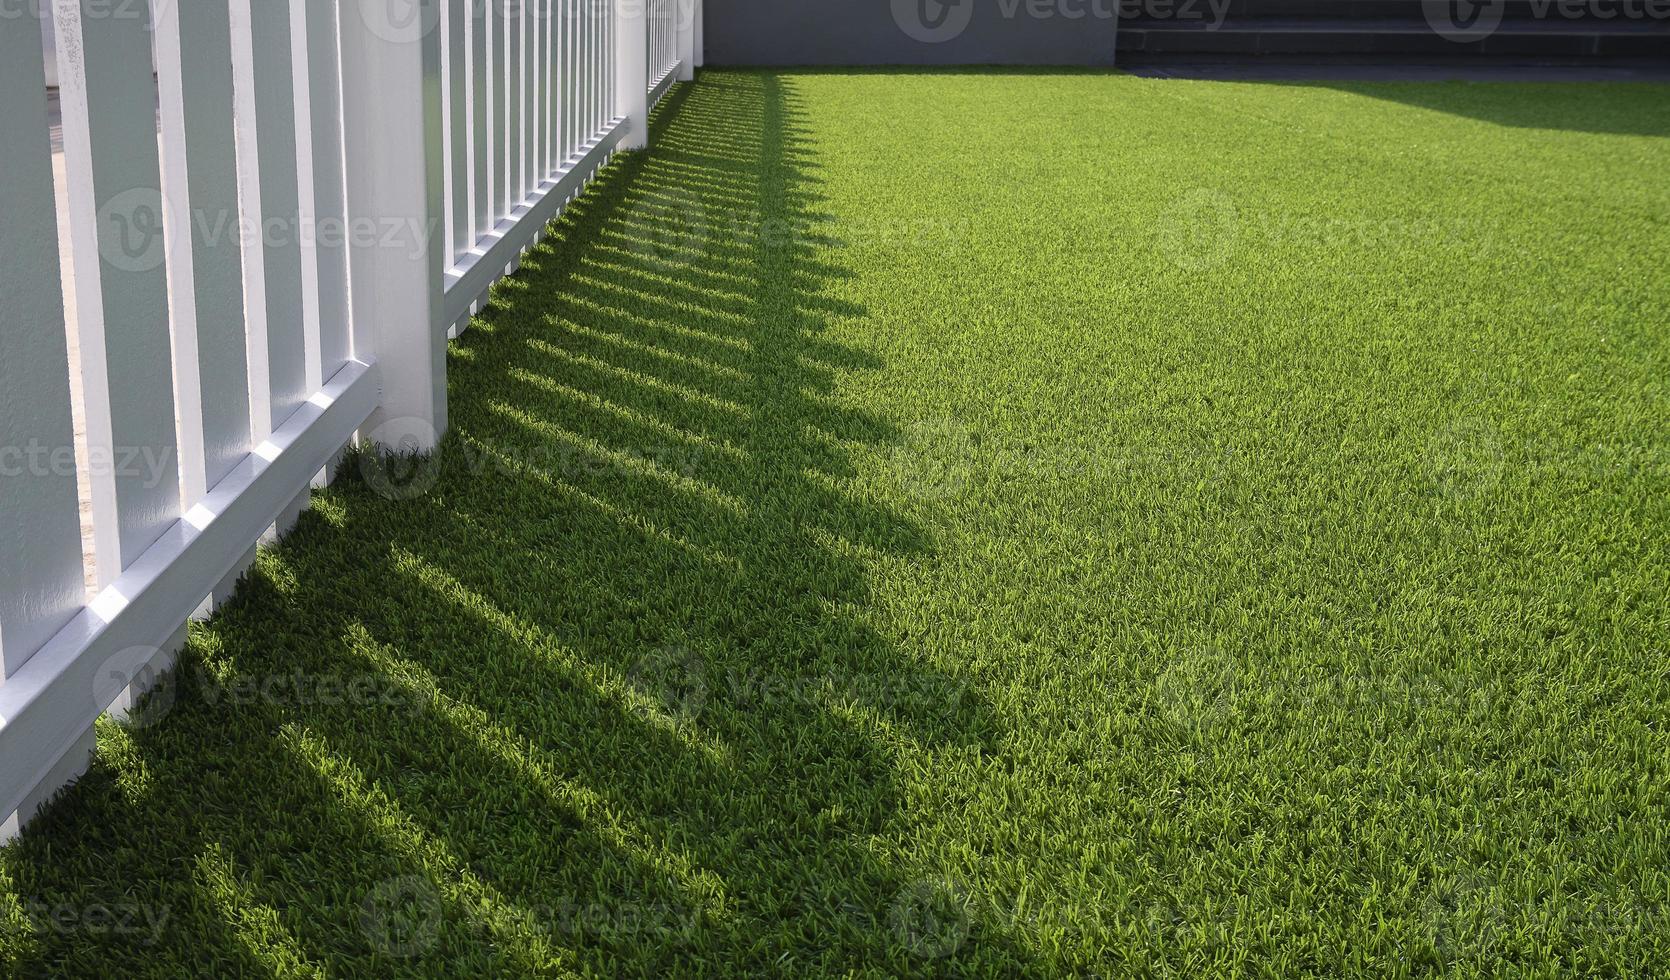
{"type": "Point", "coordinates": [449, 127]}
{"type": "Point", "coordinates": [600, 18]}
{"type": "Point", "coordinates": [597, 69]}
{"type": "Point", "coordinates": [570, 75]}
{"type": "Point", "coordinates": [582, 54]}
{"type": "Point", "coordinates": [267, 157]}
{"type": "Point", "coordinates": [502, 195]}
{"type": "Point", "coordinates": [531, 175]}
{"type": "Point", "coordinates": [582, 63]}
{"type": "Point", "coordinates": [514, 83]}
{"type": "Point", "coordinates": [115, 190]}
{"type": "Point", "coordinates": [584, 68]}
{"type": "Point", "coordinates": [668, 28]}
{"type": "Point", "coordinates": [40, 529]}
{"type": "Point", "coordinates": [654, 66]}
{"type": "Point", "coordinates": [542, 150]}
{"type": "Point", "coordinates": [605, 44]}
{"type": "Point", "coordinates": [701, 17]}
{"type": "Point", "coordinates": [305, 228]}
{"type": "Point", "coordinates": [553, 86]}
{"type": "Point", "coordinates": [481, 117]}
{"type": "Point", "coordinates": [456, 82]}
{"type": "Point", "coordinates": [192, 40]}
{"type": "Point", "coordinates": [322, 124]}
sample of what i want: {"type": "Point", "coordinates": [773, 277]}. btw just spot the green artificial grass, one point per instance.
{"type": "Point", "coordinates": [967, 523]}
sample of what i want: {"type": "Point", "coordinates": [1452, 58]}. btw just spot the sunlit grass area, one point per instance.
{"type": "Point", "coordinates": [986, 524]}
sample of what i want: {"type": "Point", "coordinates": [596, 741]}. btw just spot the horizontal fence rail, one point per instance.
{"type": "Point", "coordinates": [263, 221]}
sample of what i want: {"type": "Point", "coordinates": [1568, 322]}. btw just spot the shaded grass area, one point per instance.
{"type": "Point", "coordinates": [944, 523]}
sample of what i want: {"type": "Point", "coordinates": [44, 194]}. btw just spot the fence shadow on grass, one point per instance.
{"type": "Point", "coordinates": [597, 687]}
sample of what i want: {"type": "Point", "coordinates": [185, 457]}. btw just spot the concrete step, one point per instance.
{"type": "Point", "coordinates": [1555, 41]}
{"type": "Point", "coordinates": [1588, 11]}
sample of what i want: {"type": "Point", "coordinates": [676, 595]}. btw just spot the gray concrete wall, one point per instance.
{"type": "Point", "coordinates": [910, 32]}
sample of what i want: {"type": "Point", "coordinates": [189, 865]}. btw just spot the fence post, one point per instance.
{"type": "Point", "coordinates": [688, 11]}
{"type": "Point", "coordinates": [697, 43]}
{"type": "Point", "coordinates": [391, 95]}
{"type": "Point", "coordinates": [632, 71]}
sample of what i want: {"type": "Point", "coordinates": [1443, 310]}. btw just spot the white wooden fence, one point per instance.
{"type": "Point", "coordinates": [670, 55]}
{"type": "Point", "coordinates": [277, 212]}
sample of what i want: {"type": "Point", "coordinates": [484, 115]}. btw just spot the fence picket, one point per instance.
{"type": "Point", "coordinates": [588, 72]}
{"type": "Point", "coordinates": [553, 86]}
{"type": "Point", "coordinates": [570, 76]}
{"type": "Point", "coordinates": [40, 535]}
{"type": "Point", "coordinates": [481, 117]}
{"type": "Point", "coordinates": [306, 227]}
{"type": "Point", "coordinates": [531, 33]}
{"type": "Point", "coordinates": [205, 253]}
{"type": "Point", "coordinates": [325, 207]}
{"type": "Point", "coordinates": [455, 126]}
{"type": "Point", "coordinates": [498, 30]}
{"type": "Point", "coordinates": [267, 157]}
{"type": "Point", "coordinates": [513, 105]}
{"type": "Point", "coordinates": [115, 190]}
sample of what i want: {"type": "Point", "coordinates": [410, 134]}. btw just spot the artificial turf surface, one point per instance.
{"type": "Point", "coordinates": [970, 523]}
